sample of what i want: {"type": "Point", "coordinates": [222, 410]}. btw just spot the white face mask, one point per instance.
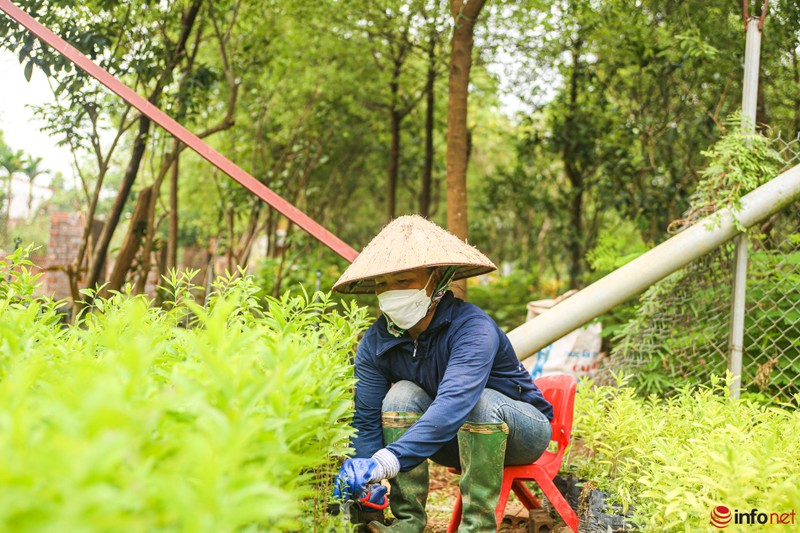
{"type": "Point", "coordinates": [405, 307]}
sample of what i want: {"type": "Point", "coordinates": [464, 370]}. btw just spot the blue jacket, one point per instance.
{"type": "Point", "coordinates": [461, 353]}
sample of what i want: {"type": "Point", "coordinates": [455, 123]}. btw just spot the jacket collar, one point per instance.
{"type": "Point", "coordinates": [442, 316]}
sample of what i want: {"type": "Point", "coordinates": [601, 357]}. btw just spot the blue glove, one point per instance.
{"type": "Point", "coordinates": [353, 478]}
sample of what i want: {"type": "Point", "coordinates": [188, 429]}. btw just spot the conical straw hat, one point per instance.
{"type": "Point", "coordinates": [411, 242]}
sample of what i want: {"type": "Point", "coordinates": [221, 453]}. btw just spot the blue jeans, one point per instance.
{"type": "Point", "coordinates": [529, 430]}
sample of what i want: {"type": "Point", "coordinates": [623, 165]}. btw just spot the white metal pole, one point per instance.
{"type": "Point", "coordinates": [664, 259]}
{"type": "Point", "coordinates": [752, 55]}
{"type": "Point", "coordinates": [736, 333]}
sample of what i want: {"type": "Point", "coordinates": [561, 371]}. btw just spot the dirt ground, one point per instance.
{"type": "Point", "coordinates": [442, 497]}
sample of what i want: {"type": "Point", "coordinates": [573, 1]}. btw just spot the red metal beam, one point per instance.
{"type": "Point", "coordinates": [185, 136]}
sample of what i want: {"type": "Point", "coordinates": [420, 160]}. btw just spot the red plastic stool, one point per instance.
{"type": "Point", "coordinates": [560, 392]}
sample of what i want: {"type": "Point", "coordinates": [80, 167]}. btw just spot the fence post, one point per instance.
{"type": "Point", "coordinates": [749, 99]}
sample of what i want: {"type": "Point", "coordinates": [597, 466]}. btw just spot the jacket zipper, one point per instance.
{"type": "Point", "coordinates": [414, 355]}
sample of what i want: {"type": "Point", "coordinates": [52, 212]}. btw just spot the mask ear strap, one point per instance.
{"type": "Point", "coordinates": [444, 284]}
{"type": "Point", "coordinates": [429, 280]}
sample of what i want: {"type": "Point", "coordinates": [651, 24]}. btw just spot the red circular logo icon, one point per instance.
{"type": "Point", "coordinates": [720, 516]}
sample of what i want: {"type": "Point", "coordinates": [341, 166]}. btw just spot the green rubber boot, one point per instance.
{"type": "Point", "coordinates": [408, 492]}
{"type": "Point", "coordinates": [482, 448]}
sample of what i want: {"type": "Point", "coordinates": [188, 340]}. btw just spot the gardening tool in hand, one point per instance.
{"type": "Point", "coordinates": [356, 480]}
{"type": "Point", "coordinates": [373, 498]}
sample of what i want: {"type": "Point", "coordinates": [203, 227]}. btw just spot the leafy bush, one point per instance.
{"type": "Point", "coordinates": [674, 460]}
{"type": "Point", "coordinates": [680, 328]}
{"type": "Point", "coordinates": [505, 298]}
{"type": "Point", "coordinates": [618, 243]}
{"type": "Point", "coordinates": [737, 164]}
{"type": "Point", "coordinates": [679, 331]}
{"type": "Point", "coordinates": [149, 419]}
{"type": "Point", "coordinates": [300, 273]}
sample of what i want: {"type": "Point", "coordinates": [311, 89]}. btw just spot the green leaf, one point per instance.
{"type": "Point", "coordinates": [28, 70]}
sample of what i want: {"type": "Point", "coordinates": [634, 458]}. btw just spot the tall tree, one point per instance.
{"type": "Point", "coordinates": [175, 53]}
{"type": "Point", "coordinates": [780, 68]}
{"type": "Point", "coordinates": [140, 43]}
{"type": "Point", "coordinates": [465, 14]}
{"type": "Point", "coordinates": [434, 33]}
{"type": "Point", "coordinates": [395, 31]}
{"type": "Point", "coordinates": [195, 80]}
{"type": "Point", "coordinates": [621, 102]}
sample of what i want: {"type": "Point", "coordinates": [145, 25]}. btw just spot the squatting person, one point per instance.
{"type": "Point", "coordinates": [437, 378]}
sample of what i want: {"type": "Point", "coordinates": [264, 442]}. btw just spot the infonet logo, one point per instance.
{"type": "Point", "coordinates": [721, 516]}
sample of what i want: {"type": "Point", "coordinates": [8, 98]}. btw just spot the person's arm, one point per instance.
{"type": "Point", "coordinates": [371, 388]}
{"type": "Point", "coordinates": [371, 461]}
{"type": "Point", "coordinates": [472, 350]}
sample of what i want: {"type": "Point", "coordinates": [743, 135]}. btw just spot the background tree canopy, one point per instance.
{"type": "Point", "coordinates": [585, 126]}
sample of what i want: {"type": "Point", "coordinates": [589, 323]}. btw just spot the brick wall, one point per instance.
{"type": "Point", "coordinates": [66, 232]}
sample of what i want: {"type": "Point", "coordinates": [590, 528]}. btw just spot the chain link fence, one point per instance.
{"type": "Point", "coordinates": [680, 334]}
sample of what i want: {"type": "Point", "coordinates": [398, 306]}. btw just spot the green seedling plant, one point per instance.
{"type": "Point", "coordinates": [228, 417]}
{"type": "Point", "coordinates": [671, 461]}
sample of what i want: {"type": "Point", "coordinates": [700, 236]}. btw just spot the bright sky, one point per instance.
{"type": "Point", "coordinates": [20, 127]}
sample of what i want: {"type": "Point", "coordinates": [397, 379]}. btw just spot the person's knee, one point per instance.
{"type": "Point", "coordinates": [405, 397]}
{"type": "Point", "coordinates": [488, 408]}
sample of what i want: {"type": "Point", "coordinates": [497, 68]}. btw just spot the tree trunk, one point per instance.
{"type": "Point", "coordinates": [242, 253]}
{"type": "Point", "coordinates": [270, 229]}
{"type": "Point", "coordinates": [101, 248]}
{"type": "Point", "coordinates": [575, 174]}
{"type": "Point", "coordinates": [394, 162]}
{"type": "Point", "coordinates": [541, 239]}
{"type": "Point", "coordinates": [139, 146]}
{"type": "Point", "coordinates": [427, 169]}
{"type": "Point", "coordinates": [136, 231]}
{"type": "Point", "coordinates": [762, 119]}
{"type": "Point", "coordinates": [575, 246]}
{"type": "Point", "coordinates": [464, 16]}
{"type": "Point", "coordinates": [147, 247]}
{"type": "Point", "coordinates": [172, 240]}
{"type": "Point", "coordinates": [395, 117]}
{"type": "Point", "coordinates": [231, 222]}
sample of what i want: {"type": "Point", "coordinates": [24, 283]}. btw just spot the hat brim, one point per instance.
{"type": "Point", "coordinates": [367, 285]}
{"type": "Point", "coordinates": [407, 243]}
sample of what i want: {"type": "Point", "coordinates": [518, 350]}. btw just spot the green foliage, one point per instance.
{"type": "Point", "coordinates": [505, 298]}
{"type": "Point", "coordinates": [772, 323]}
{"type": "Point", "coordinates": [297, 270]}
{"type": "Point", "coordinates": [674, 460]}
{"type": "Point", "coordinates": [17, 281]}
{"type": "Point", "coordinates": [683, 353]}
{"type": "Point", "coordinates": [678, 330]}
{"type": "Point", "coordinates": [695, 46]}
{"type": "Point", "coordinates": [299, 273]}
{"type": "Point", "coordinates": [225, 418]}
{"type": "Point", "coordinates": [737, 164]}
{"type": "Point", "coordinates": [617, 245]}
